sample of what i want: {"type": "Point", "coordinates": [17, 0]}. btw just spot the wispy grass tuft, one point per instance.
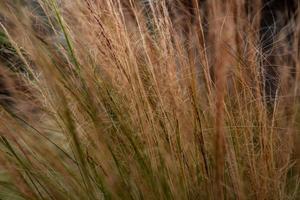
{"type": "Point", "coordinates": [136, 100]}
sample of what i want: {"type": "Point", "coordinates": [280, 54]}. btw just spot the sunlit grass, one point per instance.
{"type": "Point", "coordinates": [133, 102]}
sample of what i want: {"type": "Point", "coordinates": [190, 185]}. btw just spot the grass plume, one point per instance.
{"type": "Point", "coordinates": [145, 100]}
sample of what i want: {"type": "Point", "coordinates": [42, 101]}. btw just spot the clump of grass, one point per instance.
{"type": "Point", "coordinates": [135, 101]}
